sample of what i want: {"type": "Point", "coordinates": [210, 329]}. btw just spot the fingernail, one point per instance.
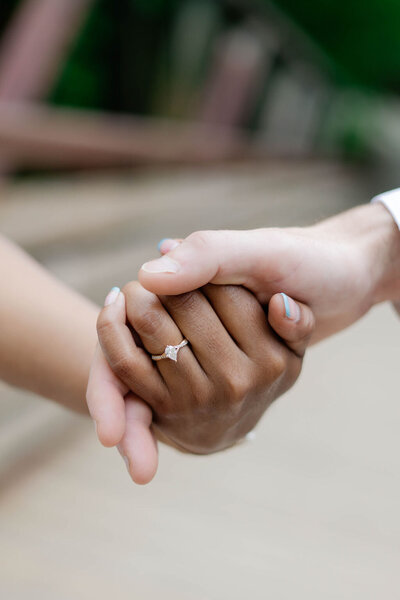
{"type": "Point", "coordinates": [167, 244]}
{"type": "Point", "coordinates": [112, 296]}
{"type": "Point", "coordinates": [160, 243]}
{"type": "Point", "coordinates": [292, 309]}
{"type": "Point", "coordinates": [165, 264]}
{"type": "Point", "coordinates": [125, 458]}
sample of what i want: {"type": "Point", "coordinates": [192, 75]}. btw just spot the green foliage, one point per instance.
{"type": "Point", "coordinates": [87, 79]}
{"type": "Point", "coordinates": [6, 9]}
{"type": "Point", "coordinates": [362, 36]}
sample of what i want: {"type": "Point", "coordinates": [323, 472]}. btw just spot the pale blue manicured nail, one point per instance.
{"type": "Point", "coordinates": [160, 243]}
{"type": "Point", "coordinates": [292, 309]}
{"type": "Point", "coordinates": [286, 303]}
{"type": "Point", "coordinates": [112, 296]}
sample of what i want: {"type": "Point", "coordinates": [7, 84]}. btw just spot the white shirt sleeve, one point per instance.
{"type": "Point", "coordinates": [392, 202]}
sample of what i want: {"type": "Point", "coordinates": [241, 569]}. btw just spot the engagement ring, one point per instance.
{"type": "Point", "coordinates": [170, 352]}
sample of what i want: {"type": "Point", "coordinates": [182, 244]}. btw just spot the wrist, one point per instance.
{"type": "Point", "coordinates": [377, 241]}
{"type": "Point", "coordinates": [384, 254]}
{"type": "Point", "coordinates": [373, 242]}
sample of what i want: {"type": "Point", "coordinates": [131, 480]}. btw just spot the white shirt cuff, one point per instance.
{"type": "Point", "coordinates": [392, 202]}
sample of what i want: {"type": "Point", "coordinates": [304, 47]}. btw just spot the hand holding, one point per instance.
{"type": "Point", "coordinates": [221, 384]}
{"type": "Point", "coordinates": [339, 267]}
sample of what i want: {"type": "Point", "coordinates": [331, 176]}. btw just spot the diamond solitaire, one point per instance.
{"type": "Point", "coordinates": [170, 352]}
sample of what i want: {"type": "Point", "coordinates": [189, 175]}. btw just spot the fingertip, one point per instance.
{"type": "Point", "coordinates": [161, 283]}
{"type": "Point", "coordinates": [166, 276]}
{"type": "Point", "coordinates": [112, 296]}
{"type": "Point", "coordinates": [113, 311]}
{"type": "Point", "coordinates": [143, 473]}
{"type": "Point", "coordinates": [109, 436]}
{"type": "Point", "coordinates": [161, 266]}
{"type": "Point", "coordinates": [161, 243]}
{"type": "Point", "coordinates": [290, 307]}
{"type": "Point", "coordinates": [141, 463]}
{"type": "Point", "coordinates": [105, 401]}
{"type": "Point", "coordinates": [167, 244]}
{"type": "Point", "coordinates": [293, 321]}
{"type": "Point", "coordinates": [283, 311]}
{"type": "Point", "coordinates": [139, 446]}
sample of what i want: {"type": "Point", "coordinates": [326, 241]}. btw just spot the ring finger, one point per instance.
{"type": "Point", "coordinates": [211, 343]}
{"type": "Point", "coordinates": [157, 330]}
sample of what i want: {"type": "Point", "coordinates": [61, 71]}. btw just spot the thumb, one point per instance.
{"type": "Point", "coordinates": [221, 257]}
{"type": "Point", "coordinates": [292, 321]}
{"type": "Point", "coordinates": [105, 400]}
{"type": "Point", "coordinates": [138, 447]}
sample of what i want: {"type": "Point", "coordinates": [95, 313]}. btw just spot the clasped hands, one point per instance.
{"type": "Point", "coordinates": [246, 341]}
{"type": "Point", "coordinates": [235, 365]}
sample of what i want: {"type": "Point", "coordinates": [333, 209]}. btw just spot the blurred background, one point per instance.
{"type": "Point", "coordinates": [125, 122]}
{"type": "Point", "coordinates": [96, 83]}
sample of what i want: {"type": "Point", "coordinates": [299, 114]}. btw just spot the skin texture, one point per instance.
{"type": "Point", "coordinates": [47, 344]}
{"type": "Point", "coordinates": [339, 267]}
{"type": "Point", "coordinates": [48, 337]}
{"type": "Point", "coordinates": [222, 382]}
{"type": "Point", "coordinates": [48, 331]}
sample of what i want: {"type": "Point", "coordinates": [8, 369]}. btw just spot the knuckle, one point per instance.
{"type": "Point", "coordinates": [148, 323]}
{"type": "Point", "coordinates": [200, 239]}
{"type": "Point", "coordinates": [238, 386]}
{"type": "Point", "coordinates": [181, 302]}
{"type": "Point", "coordinates": [122, 366]}
{"type": "Point", "coordinates": [207, 402]}
{"type": "Point", "coordinates": [277, 365]}
{"type": "Point", "coordinates": [131, 288]}
{"type": "Point", "coordinates": [242, 299]}
{"type": "Point", "coordinates": [235, 293]}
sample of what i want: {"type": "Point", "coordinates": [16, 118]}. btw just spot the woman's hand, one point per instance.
{"type": "Point", "coordinates": [339, 267]}
{"type": "Point", "coordinates": [216, 392]}
{"type": "Point", "coordinates": [121, 418]}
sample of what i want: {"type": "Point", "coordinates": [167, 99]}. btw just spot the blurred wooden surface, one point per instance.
{"type": "Point", "coordinates": [34, 135]}
{"type": "Point", "coordinates": [309, 510]}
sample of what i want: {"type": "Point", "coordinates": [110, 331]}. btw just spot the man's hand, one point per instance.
{"type": "Point", "coordinates": [340, 267]}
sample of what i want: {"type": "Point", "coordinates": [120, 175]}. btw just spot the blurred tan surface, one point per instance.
{"type": "Point", "coordinates": [310, 509]}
